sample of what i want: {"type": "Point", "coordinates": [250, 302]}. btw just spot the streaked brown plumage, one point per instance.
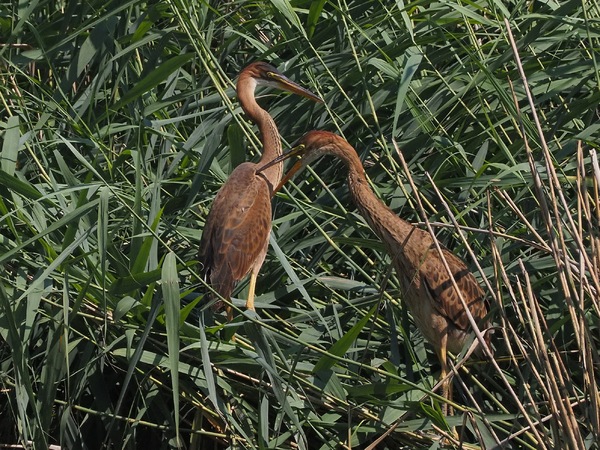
{"type": "Point", "coordinates": [426, 285]}
{"type": "Point", "coordinates": [236, 234]}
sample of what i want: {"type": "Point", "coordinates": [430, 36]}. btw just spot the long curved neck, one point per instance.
{"type": "Point", "coordinates": [266, 125]}
{"type": "Point", "coordinates": [382, 220]}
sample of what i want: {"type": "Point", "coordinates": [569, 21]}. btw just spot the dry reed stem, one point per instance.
{"type": "Point", "coordinates": [564, 422]}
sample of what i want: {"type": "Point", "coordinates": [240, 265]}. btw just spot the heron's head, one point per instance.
{"type": "Point", "coordinates": [260, 73]}
{"type": "Point", "coordinates": [310, 147]}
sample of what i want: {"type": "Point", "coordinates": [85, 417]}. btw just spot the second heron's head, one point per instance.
{"type": "Point", "coordinates": [310, 147]}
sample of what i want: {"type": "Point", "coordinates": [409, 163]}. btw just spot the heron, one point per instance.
{"type": "Point", "coordinates": [235, 238]}
{"type": "Point", "coordinates": [426, 285]}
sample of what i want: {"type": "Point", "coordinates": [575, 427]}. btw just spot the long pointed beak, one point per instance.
{"type": "Point", "coordinates": [288, 176]}
{"type": "Point", "coordinates": [298, 150]}
{"type": "Point", "coordinates": [292, 152]}
{"type": "Point", "coordinates": [286, 84]}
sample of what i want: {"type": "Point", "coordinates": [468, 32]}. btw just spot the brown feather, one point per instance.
{"type": "Point", "coordinates": [426, 285]}
{"type": "Point", "coordinates": [237, 229]}
{"type": "Point", "coordinates": [236, 233]}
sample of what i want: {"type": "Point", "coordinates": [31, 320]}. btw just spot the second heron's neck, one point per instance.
{"type": "Point", "coordinates": [382, 220]}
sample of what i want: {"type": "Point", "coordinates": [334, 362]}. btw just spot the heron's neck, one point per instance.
{"type": "Point", "coordinates": [383, 221]}
{"type": "Point", "coordinates": [269, 135]}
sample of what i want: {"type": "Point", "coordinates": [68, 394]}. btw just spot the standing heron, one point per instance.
{"type": "Point", "coordinates": [236, 234]}
{"type": "Point", "coordinates": [425, 282]}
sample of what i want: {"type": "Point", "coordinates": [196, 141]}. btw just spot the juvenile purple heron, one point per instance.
{"type": "Point", "coordinates": [425, 283]}
{"type": "Point", "coordinates": [236, 234]}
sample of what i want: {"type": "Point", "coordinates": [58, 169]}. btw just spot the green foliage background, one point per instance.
{"type": "Point", "coordinates": [119, 123]}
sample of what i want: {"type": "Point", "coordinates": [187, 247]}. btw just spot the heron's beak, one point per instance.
{"type": "Point", "coordinates": [288, 176]}
{"type": "Point", "coordinates": [296, 151]}
{"type": "Point", "coordinates": [286, 84]}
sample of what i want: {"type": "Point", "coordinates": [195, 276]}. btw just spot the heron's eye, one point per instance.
{"type": "Point", "coordinates": [271, 74]}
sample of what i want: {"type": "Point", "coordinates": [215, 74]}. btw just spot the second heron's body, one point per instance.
{"type": "Point", "coordinates": [426, 284]}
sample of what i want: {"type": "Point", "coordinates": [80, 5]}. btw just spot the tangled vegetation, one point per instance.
{"type": "Point", "coordinates": [118, 125]}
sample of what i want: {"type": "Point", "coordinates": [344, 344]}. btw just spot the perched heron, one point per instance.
{"type": "Point", "coordinates": [236, 234]}
{"type": "Point", "coordinates": [425, 282]}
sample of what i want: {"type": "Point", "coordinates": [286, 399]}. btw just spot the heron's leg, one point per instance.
{"type": "Point", "coordinates": [251, 288]}
{"type": "Point", "coordinates": [229, 311]}
{"type": "Point", "coordinates": [446, 382]}
{"type": "Point", "coordinates": [447, 410]}
{"type": "Point", "coordinates": [450, 390]}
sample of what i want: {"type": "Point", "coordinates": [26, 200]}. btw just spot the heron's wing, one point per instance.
{"type": "Point", "coordinates": [237, 229]}
{"type": "Point", "coordinates": [447, 300]}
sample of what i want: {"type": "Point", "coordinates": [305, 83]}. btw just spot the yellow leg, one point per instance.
{"type": "Point", "coordinates": [229, 310]}
{"type": "Point", "coordinates": [446, 381]}
{"type": "Point", "coordinates": [251, 288]}
{"type": "Point", "coordinates": [447, 410]}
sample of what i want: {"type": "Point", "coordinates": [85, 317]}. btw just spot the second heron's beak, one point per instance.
{"type": "Point", "coordinates": [284, 83]}
{"type": "Point", "coordinates": [296, 151]}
